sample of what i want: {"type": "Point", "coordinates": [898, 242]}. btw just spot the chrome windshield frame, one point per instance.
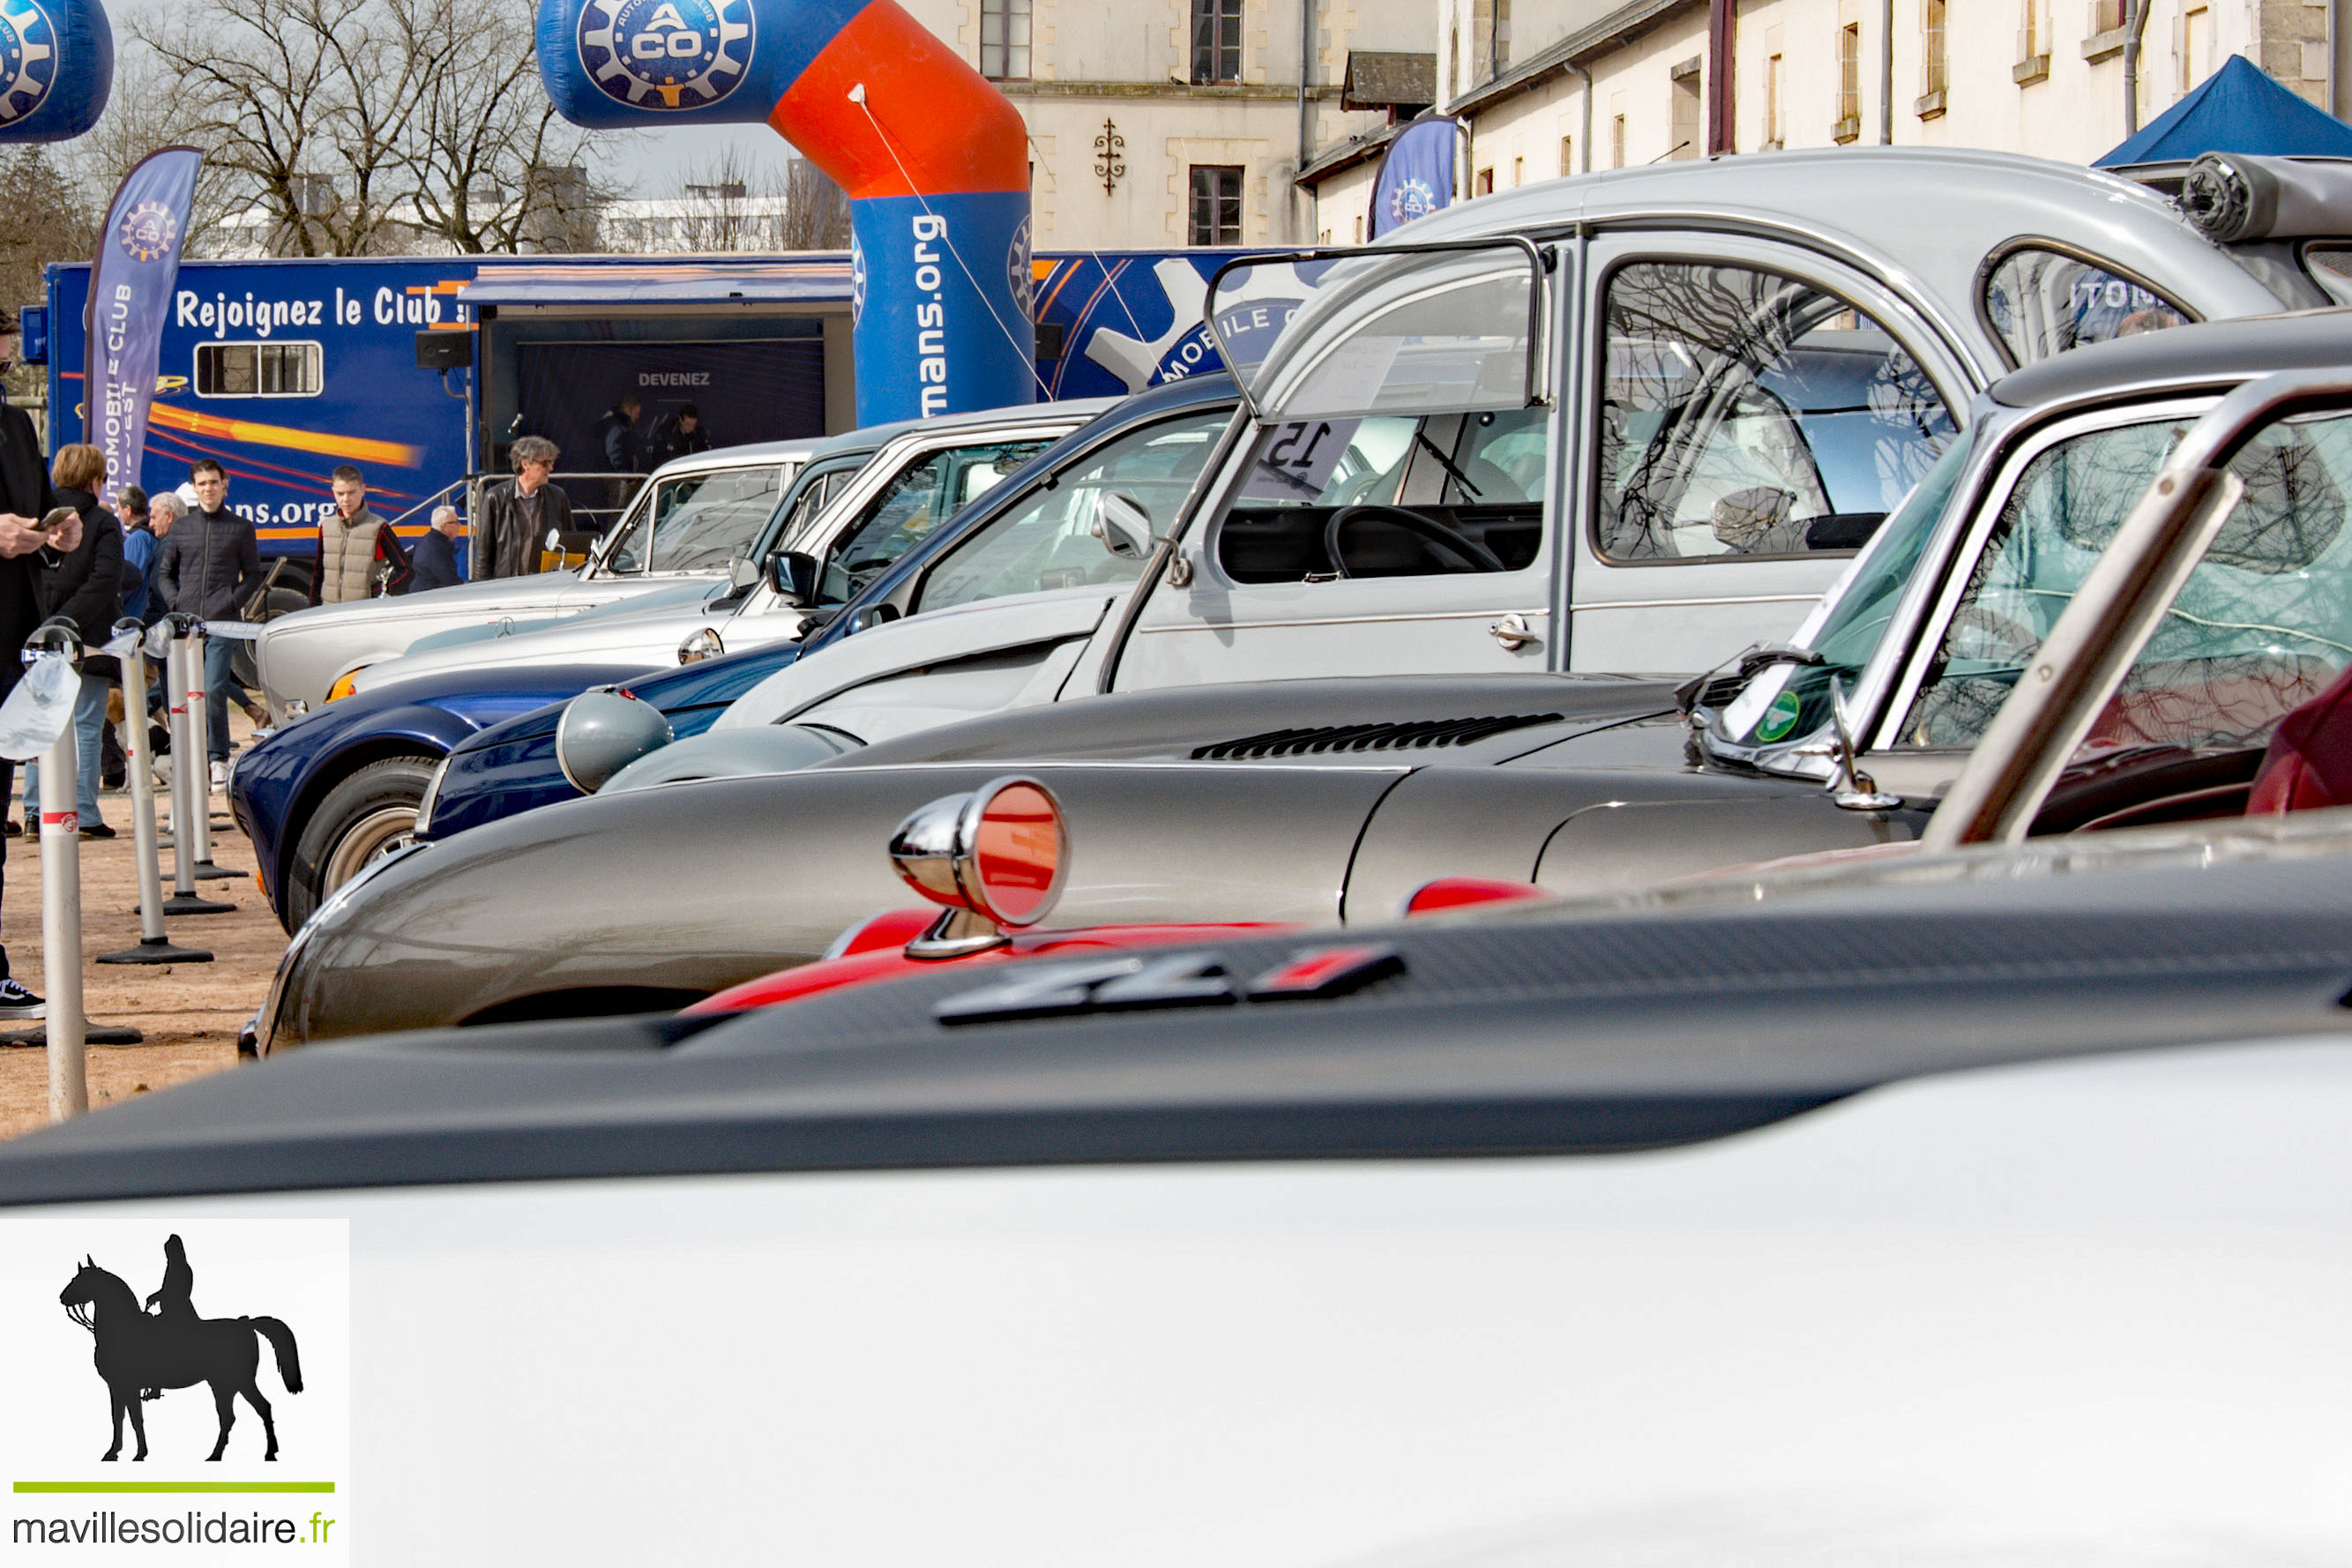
{"type": "Point", "coordinates": [1539, 268]}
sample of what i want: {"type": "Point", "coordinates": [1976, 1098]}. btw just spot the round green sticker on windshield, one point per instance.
{"type": "Point", "coordinates": [1779, 719]}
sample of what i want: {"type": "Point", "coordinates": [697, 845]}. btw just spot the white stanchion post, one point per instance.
{"type": "Point", "coordinates": [154, 946]}
{"type": "Point", "coordinates": [61, 928]}
{"type": "Point", "coordinates": [184, 739]}
{"type": "Point", "coordinates": [190, 785]}
{"type": "Point", "coordinates": [200, 759]}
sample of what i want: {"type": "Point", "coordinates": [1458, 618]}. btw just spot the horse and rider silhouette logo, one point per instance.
{"type": "Point", "coordinates": [142, 1353]}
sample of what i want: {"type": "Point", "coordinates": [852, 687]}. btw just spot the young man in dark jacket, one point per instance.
{"type": "Point", "coordinates": [210, 565]}
{"type": "Point", "coordinates": [25, 497]}
{"type": "Point", "coordinates": [677, 436]}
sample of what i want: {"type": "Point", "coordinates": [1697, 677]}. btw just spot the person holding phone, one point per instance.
{"type": "Point", "coordinates": [26, 495]}
{"type": "Point", "coordinates": [84, 584]}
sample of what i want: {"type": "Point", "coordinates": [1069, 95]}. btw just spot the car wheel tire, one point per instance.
{"type": "Point", "coordinates": [369, 815]}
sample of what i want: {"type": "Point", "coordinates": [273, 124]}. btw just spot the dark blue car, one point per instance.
{"type": "Point", "coordinates": [302, 794]}
{"type": "Point", "coordinates": [510, 767]}
{"type": "Point", "coordinates": [338, 787]}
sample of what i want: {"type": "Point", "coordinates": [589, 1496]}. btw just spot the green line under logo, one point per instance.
{"type": "Point", "coordinates": [175, 1485]}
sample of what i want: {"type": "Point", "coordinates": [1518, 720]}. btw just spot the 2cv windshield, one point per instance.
{"type": "Point", "coordinates": [1440, 329]}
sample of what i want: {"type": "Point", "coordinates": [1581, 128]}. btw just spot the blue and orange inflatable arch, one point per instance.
{"type": "Point", "coordinates": [56, 68]}
{"type": "Point", "coordinates": [934, 158]}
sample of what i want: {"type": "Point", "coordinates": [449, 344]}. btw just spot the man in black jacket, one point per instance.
{"type": "Point", "coordinates": [676, 436]}
{"type": "Point", "coordinates": [516, 516]}
{"type": "Point", "coordinates": [616, 429]}
{"type": "Point", "coordinates": [25, 497]}
{"type": "Point", "coordinates": [210, 565]}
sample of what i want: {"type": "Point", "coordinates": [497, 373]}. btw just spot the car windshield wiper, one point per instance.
{"type": "Point", "coordinates": [1447, 463]}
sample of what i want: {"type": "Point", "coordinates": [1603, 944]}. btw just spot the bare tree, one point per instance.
{"type": "Point", "coordinates": [491, 166]}
{"type": "Point", "coordinates": [365, 126]}
{"type": "Point", "coordinates": [816, 210]}
{"type": "Point", "coordinates": [719, 203]}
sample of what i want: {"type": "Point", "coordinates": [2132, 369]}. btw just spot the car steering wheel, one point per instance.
{"type": "Point", "coordinates": [1443, 537]}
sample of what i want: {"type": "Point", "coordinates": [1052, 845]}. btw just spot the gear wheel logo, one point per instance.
{"type": "Point", "coordinates": [148, 232]}
{"type": "Point", "coordinates": [1253, 314]}
{"type": "Point", "coordinates": [667, 54]}
{"type": "Point", "coordinates": [28, 60]}
{"type": "Point", "coordinates": [1017, 270]}
{"type": "Point", "coordinates": [857, 281]}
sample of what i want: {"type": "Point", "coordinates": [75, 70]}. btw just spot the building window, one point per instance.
{"type": "Point", "coordinates": [1567, 154]}
{"type": "Point", "coordinates": [1775, 101]}
{"type": "Point", "coordinates": [1683, 123]}
{"type": "Point", "coordinates": [1518, 171]}
{"type": "Point", "coordinates": [1931, 50]}
{"type": "Point", "coordinates": [1216, 204]}
{"type": "Point", "coordinates": [1849, 114]}
{"type": "Point", "coordinates": [1490, 28]}
{"type": "Point", "coordinates": [1616, 140]}
{"type": "Point", "coordinates": [258, 370]}
{"type": "Point", "coordinates": [1485, 181]}
{"type": "Point", "coordinates": [1216, 40]}
{"type": "Point", "coordinates": [1004, 39]}
{"type": "Point", "coordinates": [2196, 46]}
{"type": "Point", "coordinates": [1360, 231]}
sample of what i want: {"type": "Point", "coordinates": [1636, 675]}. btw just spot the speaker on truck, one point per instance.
{"type": "Point", "coordinates": [445, 350]}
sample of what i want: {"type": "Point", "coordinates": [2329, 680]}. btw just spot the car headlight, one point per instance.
{"type": "Point", "coordinates": [699, 646]}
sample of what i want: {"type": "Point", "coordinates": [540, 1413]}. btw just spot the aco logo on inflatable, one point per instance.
{"type": "Point", "coordinates": [666, 53]}
{"type": "Point", "coordinates": [28, 60]}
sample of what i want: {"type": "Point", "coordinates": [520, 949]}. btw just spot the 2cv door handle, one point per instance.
{"type": "Point", "coordinates": [1513, 631]}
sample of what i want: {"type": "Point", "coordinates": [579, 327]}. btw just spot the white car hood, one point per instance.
{"type": "Point", "coordinates": [922, 640]}
{"type": "Point", "coordinates": [649, 637]}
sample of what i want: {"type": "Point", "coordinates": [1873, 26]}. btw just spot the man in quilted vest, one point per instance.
{"type": "Point", "coordinates": [351, 542]}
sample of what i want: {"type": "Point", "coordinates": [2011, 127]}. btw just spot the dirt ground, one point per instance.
{"type": "Point", "coordinates": [189, 1013]}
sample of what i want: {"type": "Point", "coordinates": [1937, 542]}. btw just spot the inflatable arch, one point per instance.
{"type": "Point", "coordinates": [935, 160]}
{"type": "Point", "coordinates": [56, 68]}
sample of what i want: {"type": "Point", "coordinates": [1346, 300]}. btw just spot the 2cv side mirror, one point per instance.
{"type": "Point", "coordinates": [603, 732]}
{"type": "Point", "coordinates": [1123, 526]}
{"type": "Point", "coordinates": [793, 573]}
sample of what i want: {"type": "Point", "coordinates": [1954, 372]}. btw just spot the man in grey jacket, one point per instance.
{"type": "Point", "coordinates": [515, 517]}
{"type": "Point", "coordinates": [210, 565]}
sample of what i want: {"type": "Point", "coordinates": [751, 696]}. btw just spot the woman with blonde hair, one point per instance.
{"type": "Point", "coordinates": [85, 585]}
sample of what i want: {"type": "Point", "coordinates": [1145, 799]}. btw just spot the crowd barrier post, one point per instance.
{"type": "Point", "coordinates": [60, 830]}
{"type": "Point", "coordinates": [200, 711]}
{"type": "Point", "coordinates": [191, 784]}
{"type": "Point", "coordinates": [154, 946]}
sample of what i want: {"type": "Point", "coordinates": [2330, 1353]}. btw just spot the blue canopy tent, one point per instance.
{"type": "Point", "coordinates": [2238, 108]}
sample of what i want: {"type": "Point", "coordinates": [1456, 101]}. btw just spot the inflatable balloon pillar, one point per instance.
{"type": "Point", "coordinates": [56, 68]}
{"type": "Point", "coordinates": [934, 158]}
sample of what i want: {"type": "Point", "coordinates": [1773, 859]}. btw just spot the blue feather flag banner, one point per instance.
{"type": "Point", "coordinates": [130, 295]}
{"type": "Point", "coordinates": [1416, 178]}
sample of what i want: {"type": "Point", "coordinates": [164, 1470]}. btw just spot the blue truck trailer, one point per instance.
{"type": "Point", "coordinates": [421, 371]}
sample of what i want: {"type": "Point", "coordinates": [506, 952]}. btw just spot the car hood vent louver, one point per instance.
{"type": "Point", "coordinates": [1328, 739]}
